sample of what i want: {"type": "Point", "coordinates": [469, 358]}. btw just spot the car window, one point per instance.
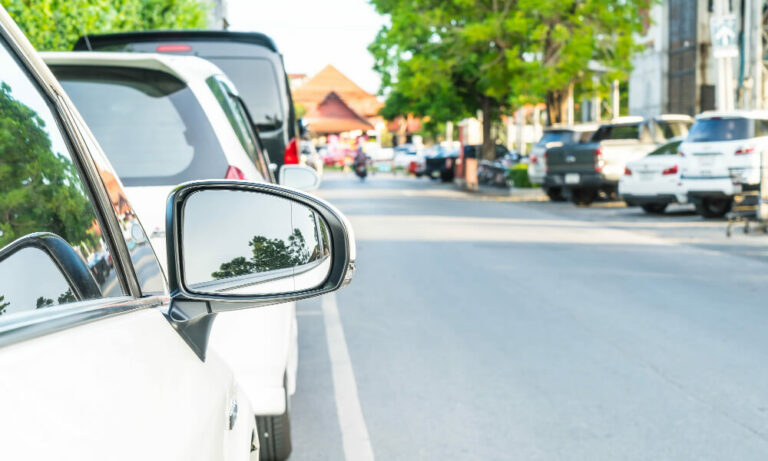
{"type": "Point", "coordinates": [41, 192]}
{"type": "Point", "coordinates": [668, 129]}
{"type": "Point", "coordinates": [585, 137]}
{"type": "Point", "coordinates": [238, 121]}
{"type": "Point", "coordinates": [720, 129]}
{"type": "Point", "coordinates": [761, 127]}
{"type": "Point", "coordinates": [563, 136]}
{"type": "Point", "coordinates": [611, 132]}
{"type": "Point", "coordinates": [256, 80]}
{"type": "Point", "coordinates": [148, 122]}
{"type": "Point", "coordinates": [667, 149]}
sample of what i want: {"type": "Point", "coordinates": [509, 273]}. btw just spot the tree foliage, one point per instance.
{"type": "Point", "coordinates": [56, 24]}
{"type": "Point", "coordinates": [268, 255]}
{"type": "Point", "coordinates": [39, 189]}
{"type": "Point", "coordinates": [447, 59]}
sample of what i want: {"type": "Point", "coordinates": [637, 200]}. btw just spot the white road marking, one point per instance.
{"type": "Point", "coordinates": [354, 432]}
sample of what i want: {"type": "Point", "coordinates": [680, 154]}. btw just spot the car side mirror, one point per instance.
{"type": "Point", "coordinates": [299, 177]}
{"type": "Point", "coordinates": [235, 245]}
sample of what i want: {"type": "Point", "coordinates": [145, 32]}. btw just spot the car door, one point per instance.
{"type": "Point", "coordinates": [92, 369]}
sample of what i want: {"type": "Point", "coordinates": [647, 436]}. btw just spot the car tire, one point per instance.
{"type": "Point", "coordinates": [275, 435]}
{"type": "Point", "coordinates": [714, 207]}
{"type": "Point", "coordinates": [584, 197]}
{"type": "Point", "coordinates": [446, 176]}
{"type": "Point", "coordinates": [654, 208]}
{"type": "Point", "coordinates": [555, 194]}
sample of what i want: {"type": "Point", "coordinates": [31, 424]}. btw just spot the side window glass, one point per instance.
{"type": "Point", "coordinates": [236, 120]}
{"type": "Point", "coordinates": [41, 192]}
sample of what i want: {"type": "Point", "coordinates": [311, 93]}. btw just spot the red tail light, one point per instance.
{"type": "Point", "coordinates": [745, 150]}
{"type": "Point", "coordinates": [534, 159]}
{"type": "Point", "coordinates": [599, 163]}
{"type": "Point", "coordinates": [670, 170]}
{"type": "Point", "coordinates": [627, 172]}
{"type": "Point", "coordinates": [173, 48]}
{"type": "Point", "coordinates": [291, 153]}
{"type": "Point", "coordinates": [234, 172]}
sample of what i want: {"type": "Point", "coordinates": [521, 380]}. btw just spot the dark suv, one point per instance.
{"type": "Point", "coordinates": [250, 59]}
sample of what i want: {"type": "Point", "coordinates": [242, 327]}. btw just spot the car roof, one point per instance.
{"type": "Point", "coordinates": [88, 42]}
{"type": "Point", "coordinates": [185, 68]}
{"type": "Point", "coordinates": [761, 114]}
{"type": "Point", "coordinates": [577, 127]}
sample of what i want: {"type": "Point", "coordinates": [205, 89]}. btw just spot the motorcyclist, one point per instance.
{"type": "Point", "coordinates": [360, 164]}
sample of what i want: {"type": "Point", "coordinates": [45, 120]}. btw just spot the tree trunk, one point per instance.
{"type": "Point", "coordinates": [557, 106]}
{"type": "Point", "coordinates": [489, 146]}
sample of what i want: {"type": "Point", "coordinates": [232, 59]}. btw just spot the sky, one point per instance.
{"type": "Point", "coordinates": [313, 33]}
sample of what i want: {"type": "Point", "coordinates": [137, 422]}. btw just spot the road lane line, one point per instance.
{"type": "Point", "coordinates": [354, 432]}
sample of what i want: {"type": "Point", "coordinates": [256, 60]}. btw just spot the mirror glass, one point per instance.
{"type": "Point", "coordinates": [252, 243]}
{"type": "Point", "coordinates": [299, 177]}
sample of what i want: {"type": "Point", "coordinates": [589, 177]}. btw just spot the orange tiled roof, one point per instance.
{"type": "Point", "coordinates": [333, 115]}
{"type": "Point", "coordinates": [315, 89]}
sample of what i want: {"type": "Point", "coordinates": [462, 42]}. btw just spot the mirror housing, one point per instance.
{"type": "Point", "coordinates": [299, 177]}
{"type": "Point", "coordinates": [192, 309]}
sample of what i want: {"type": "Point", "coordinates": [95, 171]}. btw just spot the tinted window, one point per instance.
{"type": "Point", "coordinates": [667, 149]}
{"type": "Point", "coordinates": [256, 79]}
{"type": "Point", "coordinates": [720, 129]}
{"type": "Point", "coordinates": [562, 136]}
{"type": "Point", "coordinates": [672, 129]}
{"type": "Point", "coordinates": [609, 132]}
{"type": "Point", "coordinates": [41, 191]}
{"type": "Point", "coordinates": [149, 123]}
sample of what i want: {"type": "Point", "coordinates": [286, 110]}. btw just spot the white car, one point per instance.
{"type": "Point", "coordinates": [163, 120]}
{"type": "Point", "coordinates": [722, 158]}
{"type": "Point", "coordinates": [404, 155]}
{"type": "Point", "coordinates": [117, 365]}
{"type": "Point", "coordinates": [308, 156]}
{"type": "Point", "coordinates": [652, 182]}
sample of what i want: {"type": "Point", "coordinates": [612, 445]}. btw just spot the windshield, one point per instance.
{"type": "Point", "coordinates": [149, 124]}
{"type": "Point", "coordinates": [673, 129]}
{"type": "Point", "coordinates": [562, 136]}
{"type": "Point", "coordinates": [667, 149]}
{"type": "Point", "coordinates": [720, 129]}
{"type": "Point", "coordinates": [256, 80]}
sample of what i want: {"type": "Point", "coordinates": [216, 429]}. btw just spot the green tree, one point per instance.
{"type": "Point", "coordinates": [39, 188]}
{"type": "Point", "coordinates": [448, 59]}
{"type": "Point", "coordinates": [57, 24]}
{"type": "Point", "coordinates": [267, 255]}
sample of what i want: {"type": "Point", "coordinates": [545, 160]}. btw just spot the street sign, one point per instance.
{"type": "Point", "coordinates": [724, 36]}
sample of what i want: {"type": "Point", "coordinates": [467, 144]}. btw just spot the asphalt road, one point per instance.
{"type": "Point", "coordinates": [492, 329]}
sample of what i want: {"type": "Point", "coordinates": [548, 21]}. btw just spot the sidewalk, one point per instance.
{"type": "Point", "coordinates": [503, 194]}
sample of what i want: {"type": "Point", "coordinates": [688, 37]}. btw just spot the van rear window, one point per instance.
{"type": "Point", "coordinates": [148, 122]}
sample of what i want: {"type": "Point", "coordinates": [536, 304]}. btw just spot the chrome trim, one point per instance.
{"type": "Point", "coordinates": [23, 326]}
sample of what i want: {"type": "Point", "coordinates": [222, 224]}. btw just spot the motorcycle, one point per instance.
{"type": "Point", "coordinates": [361, 170]}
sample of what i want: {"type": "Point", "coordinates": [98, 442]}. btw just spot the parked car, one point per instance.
{"type": "Point", "coordinates": [653, 181]}
{"type": "Point", "coordinates": [404, 155]}
{"type": "Point", "coordinates": [556, 136]}
{"type": "Point", "coordinates": [440, 163]}
{"type": "Point", "coordinates": [311, 158]}
{"type": "Point", "coordinates": [164, 120]}
{"type": "Point", "coordinates": [122, 369]}
{"type": "Point", "coordinates": [251, 60]}
{"type": "Point", "coordinates": [722, 158]}
{"type": "Point", "coordinates": [583, 171]}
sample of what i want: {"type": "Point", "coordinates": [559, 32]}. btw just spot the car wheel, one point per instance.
{"type": "Point", "coordinates": [446, 176]}
{"type": "Point", "coordinates": [654, 208]}
{"type": "Point", "coordinates": [714, 207]}
{"type": "Point", "coordinates": [583, 197]}
{"type": "Point", "coordinates": [275, 435]}
{"type": "Point", "coordinates": [555, 194]}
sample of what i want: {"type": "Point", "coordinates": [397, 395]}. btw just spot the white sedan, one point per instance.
{"type": "Point", "coordinates": [653, 182]}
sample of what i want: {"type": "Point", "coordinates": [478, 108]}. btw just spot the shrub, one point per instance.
{"type": "Point", "coordinates": [518, 175]}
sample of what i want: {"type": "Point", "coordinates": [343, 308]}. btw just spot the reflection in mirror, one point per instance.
{"type": "Point", "coordinates": [30, 279]}
{"type": "Point", "coordinates": [252, 243]}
